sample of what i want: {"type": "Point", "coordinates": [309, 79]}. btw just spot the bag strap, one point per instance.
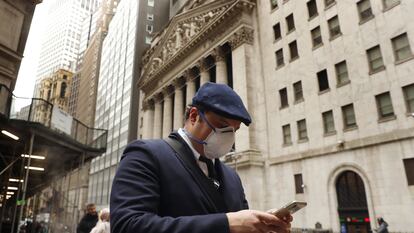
{"type": "Point", "coordinates": [185, 154]}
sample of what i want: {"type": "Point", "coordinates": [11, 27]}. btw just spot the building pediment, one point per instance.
{"type": "Point", "coordinates": [184, 31]}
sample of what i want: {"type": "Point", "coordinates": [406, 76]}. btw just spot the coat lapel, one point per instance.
{"type": "Point", "coordinates": [186, 157]}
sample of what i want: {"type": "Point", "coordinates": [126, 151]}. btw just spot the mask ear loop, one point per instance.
{"type": "Point", "coordinates": [205, 119]}
{"type": "Point", "coordinates": [193, 138]}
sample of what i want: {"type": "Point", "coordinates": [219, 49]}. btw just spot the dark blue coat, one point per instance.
{"type": "Point", "coordinates": [155, 191]}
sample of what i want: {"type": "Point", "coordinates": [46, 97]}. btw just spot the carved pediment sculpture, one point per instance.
{"type": "Point", "coordinates": [184, 31]}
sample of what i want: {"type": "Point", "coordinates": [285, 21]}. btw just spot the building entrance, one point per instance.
{"type": "Point", "coordinates": [352, 203]}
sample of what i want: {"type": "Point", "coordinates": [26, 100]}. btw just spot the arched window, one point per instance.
{"type": "Point", "coordinates": [63, 90]}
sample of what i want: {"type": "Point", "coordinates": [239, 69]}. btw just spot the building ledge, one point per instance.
{"type": "Point", "coordinates": [247, 158]}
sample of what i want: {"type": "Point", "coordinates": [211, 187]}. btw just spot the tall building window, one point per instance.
{"type": "Point", "coordinates": [384, 105]}
{"type": "Point", "coordinates": [328, 122]}
{"type": "Point", "coordinates": [323, 80]}
{"type": "Point", "coordinates": [401, 46]}
{"type": "Point", "coordinates": [375, 60]}
{"type": "Point", "coordinates": [329, 3]}
{"type": "Point", "coordinates": [151, 3]}
{"type": "Point", "coordinates": [293, 48]}
{"type": "Point", "coordinates": [364, 10]}
{"type": "Point", "coordinates": [409, 170]}
{"type": "Point", "coordinates": [149, 28]}
{"type": "Point", "coordinates": [276, 31]}
{"type": "Point", "coordinates": [273, 4]}
{"type": "Point", "coordinates": [334, 27]}
{"type": "Point", "coordinates": [148, 39]}
{"type": "Point", "coordinates": [298, 183]}
{"type": "Point", "coordinates": [316, 37]}
{"type": "Point", "coordinates": [349, 118]}
{"type": "Point", "coordinates": [341, 73]}
{"type": "Point", "coordinates": [283, 98]}
{"type": "Point", "coordinates": [312, 9]}
{"type": "Point", "coordinates": [150, 17]}
{"type": "Point", "coordinates": [287, 137]}
{"type": "Point", "coordinates": [409, 97]}
{"type": "Point", "coordinates": [390, 3]}
{"type": "Point", "coordinates": [63, 90]}
{"type": "Point", "coordinates": [280, 61]}
{"type": "Point", "coordinates": [298, 92]}
{"type": "Point", "coordinates": [302, 131]}
{"type": "Point", "coordinates": [290, 22]}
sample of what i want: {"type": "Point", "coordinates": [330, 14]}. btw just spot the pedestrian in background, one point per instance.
{"type": "Point", "coordinates": [89, 220]}
{"type": "Point", "coordinates": [383, 226]}
{"type": "Point", "coordinates": [103, 224]}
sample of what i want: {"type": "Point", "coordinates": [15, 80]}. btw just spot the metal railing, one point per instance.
{"type": "Point", "coordinates": [40, 111]}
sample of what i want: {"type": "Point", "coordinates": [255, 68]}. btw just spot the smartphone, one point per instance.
{"type": "Point", "coordinates": [289, 208]}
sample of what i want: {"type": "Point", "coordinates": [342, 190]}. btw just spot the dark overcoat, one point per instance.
{"type": "Point", "coordinates": [156, 190]}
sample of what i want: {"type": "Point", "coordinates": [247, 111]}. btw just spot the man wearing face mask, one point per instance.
{"type": "Point", "coordinates": [179, 185]}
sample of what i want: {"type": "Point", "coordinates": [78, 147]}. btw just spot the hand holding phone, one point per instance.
{"type": "Point", "coordinates": [288, 209]}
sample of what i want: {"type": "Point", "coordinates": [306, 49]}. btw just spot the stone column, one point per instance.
{"type": "Point", "coordinates": [242, 52]}
{"type": "Point", "coordinates": [167, 113]}
{"type": "Point", "coordinates": [148, 122]}
{"type": "Point", "coordinates": [157, 133]}
{"type": "Point", "coordinates": [178, 104]}
{"type": "Point", "coordinates": [204, 71]}
{"type": "Point", "coordinates": [221, 67]}
{"type": "Point", "coordinates": [191, 87]}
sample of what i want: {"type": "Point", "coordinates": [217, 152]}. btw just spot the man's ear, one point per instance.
{"type": "Point", "coordinates": [193, 115]}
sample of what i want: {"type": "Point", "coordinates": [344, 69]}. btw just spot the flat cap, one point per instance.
{"type": "Point", "coordinates": [222, 100]}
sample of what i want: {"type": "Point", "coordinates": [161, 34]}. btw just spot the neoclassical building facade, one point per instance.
{"type": "Point", "coordinates": [338, 147]}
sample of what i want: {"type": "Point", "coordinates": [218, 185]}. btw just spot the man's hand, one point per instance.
{"type": "Point", "coordinates": [256, 221]}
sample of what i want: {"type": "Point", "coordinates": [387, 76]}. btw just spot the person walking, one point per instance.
{"type": "Point", "coordinates": [89, 220]}
{"type": "Point", "coordinates": [103, 224]}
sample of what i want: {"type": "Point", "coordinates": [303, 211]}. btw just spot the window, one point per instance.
{"type": "Point", "coordinates": [328, 122]}
{"type": "Point", "coordinates": [148, 39]}
{"type": "Point", "coordinates": [298, 183]}
{"type": "Point", "coordinates": [149, 28]}
{"type": "Point", "coordinates": [273, 4]}
{"type": "Point", "coordinates": [334, 27]}
{"type": "Point", "coordinates": [329, 3]}
{"type": "Point", "coordinates": [375, 59]}
{"type": "Point", "coordinates": [390, 3]}
{"type": "Point", "coordinates": [401, 46]}
{"type": "Point", "coordinates": [150, 17]}
{"type": "Point", "coordinates": [409, 97]}
{"type": "Point", "coordinates": [341, 73]}
{"type": "Point", "coordinates": [63, 90]}
{"type": "Point", "coordinates": [323, 80]}
{"type": "Point", "coordinates": [290, 22]}
{"type": "Point", "coordinates": [316, 37]}
{"type": "Point", "coordinates": [277, 32]}
{"type": "Point", "coordinates": [283, 98]}
{"type": "Point", "coordinates": [279, 58]}
{"type": "Point", "coordinates": [293, 48]}
{"type": "Point", "coordinates": [348, 114]}
{"type": "Point", "coordinates": [364, 10]}
{"type": "Point", "coordinates": [312, 9]}
{"type": "Point", "coordinates": [384, 105]}
{"type": "Point", "coordinates": [287, 137]}
{"type": "Point", "coordinates": [409, 170]}
{"type": "Point", "coordinates": [302, 131]}
{"type": "Point", "coordinates": [298, 92]}
{"type": "Point", "coordinates": [151, 3]}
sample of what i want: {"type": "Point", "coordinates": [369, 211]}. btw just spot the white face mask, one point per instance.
{"type": "Point", "coordinates": [219, 142]}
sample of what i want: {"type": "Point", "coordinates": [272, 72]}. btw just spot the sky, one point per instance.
{"type": "Point", "coordinates": [28, 68]}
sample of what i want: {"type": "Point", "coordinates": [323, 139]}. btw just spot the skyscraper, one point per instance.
{"type": "Point", "coordinates": [128, 35]}
{"type": "Point", "coordinates": [60, 45]}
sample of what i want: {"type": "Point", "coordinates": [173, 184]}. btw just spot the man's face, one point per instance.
{"type": "Point", "coordinates": [200, 129]}
{"type": "Point", "coordinates": [91, 210]}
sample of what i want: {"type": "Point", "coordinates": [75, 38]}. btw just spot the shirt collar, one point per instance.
{"type": "Point", "coordinates": [188, 141]}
